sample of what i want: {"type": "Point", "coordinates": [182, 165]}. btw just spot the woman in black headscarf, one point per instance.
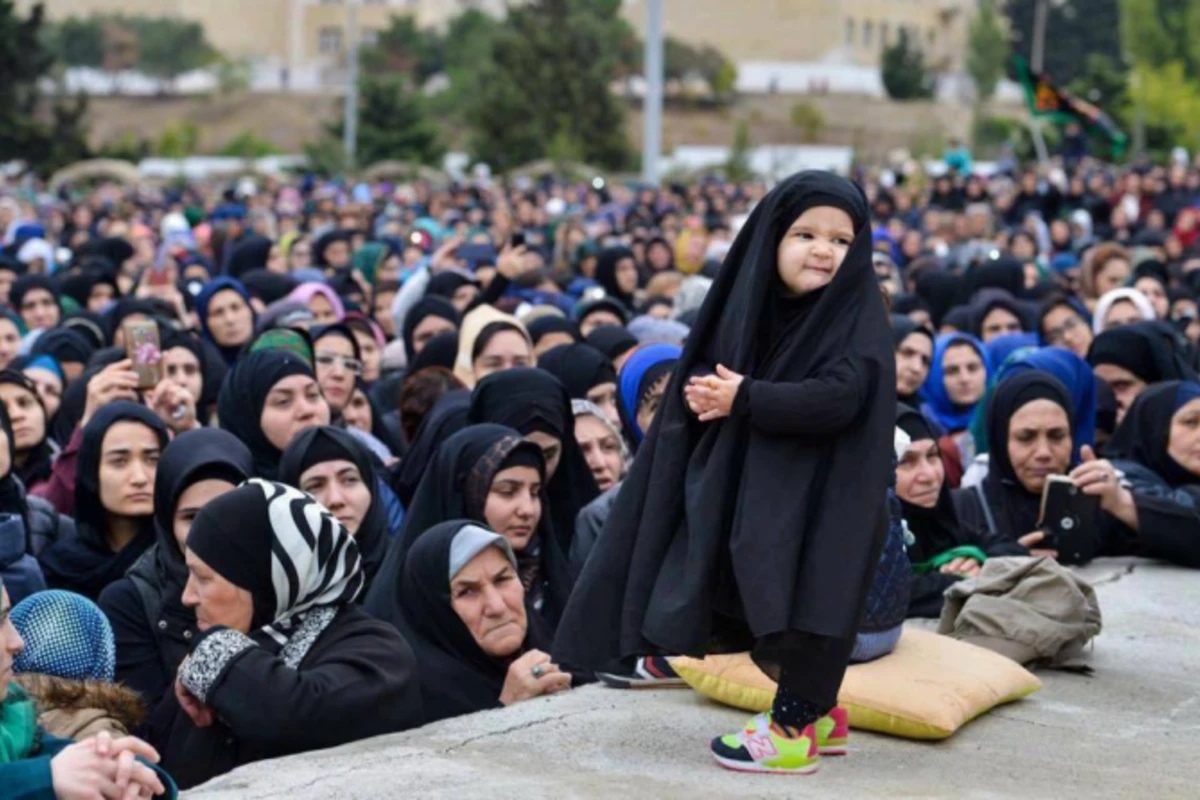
{"type": "Point", "coordinates": [430, 317]}
{"type": "Point", "coordinates": [34, 453]}
{"type": "Point", "coordinates": [70, 348]}
{"type": "Point", "coordinates": [535, 403]}
{"type": "Point", "coordinates": [1156, 448]}
{"type": "Point", "coordinates": [551, 332]}
{"type": "Point", "coordinates": [447, 417]}
{"type": "Point", "coordinates": [942, 551]}
{"type": "Point", "coordinates": [250, 253]}
{"type": "Point", "coordinates": [615, 342]}
{"type": "Point", "coordinates": [587, 374]}
{"type": "Point", "coordinates": [1132, 357]}
{"type": "Point", "coordinates": [1003, 272]}
{"type": "Point", "coordinates": [706, 549]}
{"type": "Point", "coordinates": [914, 358]}
{"type": "Point", "coordinates": [335, 468]}
{"type": "Point", "coordinates": [489, 474]}
{"type": "Point", "coordinates": [942, 291]}
{"type": "Point", "coordinates": [152, 628]}
{"type": "Point", "coordinates": [616, 271]}
{"type": "Point", "coordinates": [114, 501]}
{"type": "Point", "coordinates": [287, 662]}
{"type": "Point", "coordinates": [268, 398]}
{"type": "Point", "coordinates": [441, 351]}
{"type": "Point", "coordinates": [462, 672]}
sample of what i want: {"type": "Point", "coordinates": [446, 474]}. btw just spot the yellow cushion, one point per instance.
{"type": "Point", "coordinates": [928, 688]}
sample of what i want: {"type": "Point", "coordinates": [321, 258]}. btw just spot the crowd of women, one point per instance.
{"type": "Point", "coordinates": [393, 420]}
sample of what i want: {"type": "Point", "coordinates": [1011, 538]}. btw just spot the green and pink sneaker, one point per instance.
{"type": "Point", "coordinates": [833, 732]}
{"type": "Point", "coordinates": [763, 746]}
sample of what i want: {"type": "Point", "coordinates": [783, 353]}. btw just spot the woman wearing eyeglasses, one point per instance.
{"type": "Point", "coordinates": [1062, 324]}
{"type": "Point", "coordinates": [338, 364]}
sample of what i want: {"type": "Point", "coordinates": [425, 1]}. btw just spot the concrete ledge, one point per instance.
{"type": "Point", "coordinates": [1130, 730]}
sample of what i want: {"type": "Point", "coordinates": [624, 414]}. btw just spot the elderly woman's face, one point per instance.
{"type": "Point", "coordinates": [488, 597]}
{"type": "Point", "coordinates": [601, 449]}
{"type": "Point", "coordinates": [1039, 443]}
{"type": "Point", "coordinates": [216, 600]}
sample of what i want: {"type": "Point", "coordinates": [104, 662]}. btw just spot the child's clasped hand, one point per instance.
{"type": "Point", "coordinates": [711, 396]}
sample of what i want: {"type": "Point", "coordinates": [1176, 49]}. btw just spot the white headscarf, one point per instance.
{"type": "Point", "coordinates": [1115, 296]}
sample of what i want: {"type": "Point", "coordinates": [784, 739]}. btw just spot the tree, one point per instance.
{"type": "Point", "coordinates": [1074, 30]}
{"type": "Point", "coordinates": [77, 42]}
{"type": "Point", "coordinates": [1162, 32]}
{"type": "Point", "coordinates": [987, 50]}
{"type": "Point", "coordinates": [405, 49]}
{"type": "Point", "coordinates": [548, 79]}
{"type": "Point", "coordinates": [904, 74]}
{"type": "Point", "coordinates": [737, 168]}
{"type": "Point", "coordinates": [393, 123]}
{"type": "Point", "coordinates": [169, 47]}
{"type": "Point", "coordinates": [43, 132]}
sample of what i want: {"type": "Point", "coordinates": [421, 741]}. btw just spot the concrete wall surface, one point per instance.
{"type": "Point", "coordinates": [1132, 729]}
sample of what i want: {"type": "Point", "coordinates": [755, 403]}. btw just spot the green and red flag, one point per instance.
{"type": "Point", "coordinates": [1046, 100]}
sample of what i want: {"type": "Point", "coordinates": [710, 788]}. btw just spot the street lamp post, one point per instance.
{"type": "Point", "coordinates": [653, 102]}
{"type": "Point", "coordinates": [350, 117]}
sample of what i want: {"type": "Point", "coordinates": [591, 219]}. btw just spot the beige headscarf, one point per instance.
{"type": "Point", "coordinates": [472, 325]}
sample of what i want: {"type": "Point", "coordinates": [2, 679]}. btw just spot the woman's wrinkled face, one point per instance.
{"type": "Point", "coordinates": [1113, 275]}
{"type": "Point", "coordinates": [1154, 292]}
{"type": "Point", "coordinates": [230, 319]}
{"type": "Point", "coordinates": [999, 322]}
{"type": "Point", "coordinates": [49, 388]}
{"type": "Point", "coordinates": [920, 474]}
{"type": "Point", "coordinates": [513, 507]}
{"type": "Point", "coordinates": [813, 248]}
{"type": "Point", "coordinates": [604, 396]}
{"type": "Point", "coordinates": [1120, 314]}
{"type": "Point", "coordinates": [191, 500]}
{"type": "Point", "coordinates": [1039, 443]}
{"type": "Point", "coordinates": [627, 275]}
{"type": "Point", "coordinates": [10, 341]}
{"type": "Point", "coordinates": [215, 600]}
{"type": "Point", "coordinates": [337, 368]}
{"type": "Point", "coordinates": [964, 374]}
{"type": "Point", "coordinates": [505, 350]}
{"type": "Point", "coordinates": [488, 597]}
{"type": "Point", "coordinates": [1064, 327]}
{"type": "Point", "coordinates": [128, 463]}
{"type": "Point", "coordinates": [914, 357]}
{"type": "Point", "coordinates": [1124, 384]}
{"type": "Point", "coordinates": [1183, 445]}
{"type": "Point", "coordinates": [39, 309]}
{"type": "Point", "coordinates": [293, 404]}
{"type": "Point", "coordinates": [340, 487]}
{"type": "Point", "coordinates": [27, 416]}
{"type": "Point", "coordinates": [181, 367]}
{"type": "Point", "coordinates": [428, 328]}
{"type": "Point", "coordinates": [601, 449]}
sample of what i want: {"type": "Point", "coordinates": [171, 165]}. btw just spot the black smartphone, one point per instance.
{"type": "Point", "coordinates": [1069, 518]}
{"type": "Point", "coordinates": [518, 239]}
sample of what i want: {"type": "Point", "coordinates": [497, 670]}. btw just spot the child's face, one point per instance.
{"type": "Point", "coordinates": [812, 250]}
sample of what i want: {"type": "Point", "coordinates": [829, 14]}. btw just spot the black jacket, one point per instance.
{"type": "Point", "coordinates": [357, 681]}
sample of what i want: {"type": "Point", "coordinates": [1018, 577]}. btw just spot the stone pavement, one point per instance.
{"type": "Point", "coordinates": [1130, 730]}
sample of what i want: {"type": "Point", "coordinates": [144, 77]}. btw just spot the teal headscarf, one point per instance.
{"type": "Point", "coordinates": [367, 259]}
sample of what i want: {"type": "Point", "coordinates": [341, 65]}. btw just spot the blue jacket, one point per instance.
{"type": "Point", "coordinates": [30, 778]}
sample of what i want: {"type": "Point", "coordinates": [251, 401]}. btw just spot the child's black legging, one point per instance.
{"type": "Point", "coordinates": [809, 670]}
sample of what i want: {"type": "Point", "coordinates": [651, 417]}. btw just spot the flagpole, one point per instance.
{"type": "Point", "coordinates": [1039, 47]}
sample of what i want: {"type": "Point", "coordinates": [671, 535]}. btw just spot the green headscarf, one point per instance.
{"type": "Point", "coordinates": [367, 259]}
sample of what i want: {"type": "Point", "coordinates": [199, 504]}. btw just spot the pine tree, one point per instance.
{"type": "Point", "coordinates": [393, 123]}
{"type": "Point", "coordinates": [903, 70]}
{"type": "Point", "coordinates": [45, 133]}
{"type": "Point", "coordinates": [548, 81]}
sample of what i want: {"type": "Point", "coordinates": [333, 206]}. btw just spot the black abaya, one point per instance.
{"type": "Point", "coordinates": [771, 519]}
{"type": "Point", "coordinates": [447, 417]}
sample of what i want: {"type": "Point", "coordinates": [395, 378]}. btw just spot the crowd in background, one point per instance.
{"type": "Point", "coordinates": [392, 420]}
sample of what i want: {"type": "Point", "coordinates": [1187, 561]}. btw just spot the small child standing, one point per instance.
{"type": "Point", "coordinates": [755, 511]}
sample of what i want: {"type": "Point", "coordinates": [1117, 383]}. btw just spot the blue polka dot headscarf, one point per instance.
{"type": "Point", "coordinates": [66, 636]}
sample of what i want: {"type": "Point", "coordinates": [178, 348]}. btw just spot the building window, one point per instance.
{"type": "Point", "coordinates": [868, 30]}
{"type": "Point", "coordinates": [329, 40]}
{"type": "Point", "coordinates": [850, 31]}
{"type": "Point", "coordinates": [883, 34]}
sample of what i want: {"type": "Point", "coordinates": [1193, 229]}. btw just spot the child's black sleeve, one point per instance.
{"type": "Point", "coordinates": [819, 406]}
